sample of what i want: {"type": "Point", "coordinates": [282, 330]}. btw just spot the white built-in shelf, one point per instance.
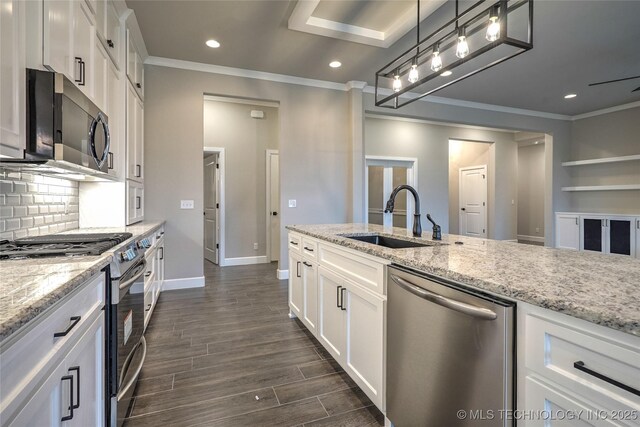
{"type": "Point", "coordinates": [603, 187]}
{"type": "Point", "coordinates": [603, 160]}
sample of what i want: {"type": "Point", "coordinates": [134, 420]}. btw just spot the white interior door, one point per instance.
{"type": "Point", "coordinates": [211, 207]}
{"type": "Point", "coordinates": [273, 191]}
{"type": "Point", "coordinates": [473, 201]}
{"type": "Point", "coordinates": [383, 175]}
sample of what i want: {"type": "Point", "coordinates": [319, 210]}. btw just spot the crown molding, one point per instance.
{"type": "Point", "coordinates": [355, 84]}
{"type": "Point", "coordinates": [241, 72]}
{"type": "Point", "coordinates": [606, 111]}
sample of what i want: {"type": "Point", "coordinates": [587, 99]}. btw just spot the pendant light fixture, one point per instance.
{"type": "Point", "coordinates": [485, 34]}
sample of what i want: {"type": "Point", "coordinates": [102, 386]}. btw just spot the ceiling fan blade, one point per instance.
{"type": "Point", "coordinates": [615, 80]}
{"type": "Point", "coordinates": [636, 89]}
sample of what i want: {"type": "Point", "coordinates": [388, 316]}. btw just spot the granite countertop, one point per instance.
{"type": "Point", "coordinates": [30, 286]}
{"type": "Point", "coordinates": [602, 289]}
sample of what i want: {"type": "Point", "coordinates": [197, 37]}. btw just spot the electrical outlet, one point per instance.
{"type": "Point", "coordinates": [186, 204]}
{"type": "Point", "coordinates": [292, 203]}
{"type": "Point", "coordinates": [537, 230]}
{"type": "Point", "coordinates": [255, 246]}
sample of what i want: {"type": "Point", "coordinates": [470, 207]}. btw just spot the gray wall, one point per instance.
{"type": "Point", "coordinates": [464, 154]}
{"type": "Point", "coordinates": [531, 190]}
{"type": "Point", "coordinates": [314, 143]}
{"type": "Point", "coordinates": [610, 135]}
{"type": "Point", "coordinates": [430, 144]}
{"type": "Point", "coordinates": [245, 139]}
{"type": "Point", "coordinates": [35, 205]}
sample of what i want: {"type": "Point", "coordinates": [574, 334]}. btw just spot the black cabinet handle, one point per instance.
{"type": "Point", "coordinates": [274, 213]}
{"type": "Point", "coordinates": [338, 297]}
{"type": "Point", "coordinates": [298, 269]}
{"type": "Point", "coordinates": [110, 43]}
{"type": "Point", "coordinates": [138, 202]}
{"type": "Point", "coordinates": [147, 274]}
{"type": "Point", "coordinates": [579, 365]}
{"type": "Point", "coordinates": [78, 61]}
{"type": "Point", "coordinates": [77, 369]}
{"type": "Point", "coordinates": [74, 321]}
{"type": "Point", "coordinates": [308, 249]}
{"type": "Point", "coordinates": [71, 407]}
{"type": "Point", "coordinates": [161, 252]}
{"type": "Point", "coordinates": [463, 209]}
{"type": "Point", "coordinates": [138, 171]}
{"type": "Point", "coordinates": [82, 73]}
{"type": "Point", "coordinates": [148, 307]}
{"type": "Point", "coordinates": [139, 85]}
{"type": "Point", "coordinates": [293, 243]}
{"type": "Point", "coordinates": [342, 291]}
{"type": "Point", "coordinates": [307, 264]}
{"type": "Point", "coordinates": [110, 162]}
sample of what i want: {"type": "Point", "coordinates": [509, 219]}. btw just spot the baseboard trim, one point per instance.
{"type": "Point", "coordinates": [245, 260]}
{"type": "Point", "coordinates": [184, 283]}
{"type": "Point", "coordinates": [282, 274]}
{"type": "Point", "coordinates": [539, 239]}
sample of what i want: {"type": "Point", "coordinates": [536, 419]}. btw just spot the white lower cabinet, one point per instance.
{"type": "Point", "coordinates": [607, 234]}
{"type": "Point", "coordinates": [331, 319]}
{"type": "Point", "coordinates": [310, 295]}
{"type": "Point", "coordinates": [568, 231]}
{"type": "Point", "coordinates": [296, 293]}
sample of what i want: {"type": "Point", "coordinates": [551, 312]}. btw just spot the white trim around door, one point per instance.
{"type": "Point", "coordinates": [221, 197]}
{"type": "Point", "coordinates": [268, 189]}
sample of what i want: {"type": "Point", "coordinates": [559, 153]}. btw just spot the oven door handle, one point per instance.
{"type": "Point", "coordinates": [134, 378]}
{"type": "Point", "coordinates": [131, 281]}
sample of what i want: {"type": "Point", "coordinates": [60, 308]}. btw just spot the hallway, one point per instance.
{"type": "Point", "coordinates": [228, 355]}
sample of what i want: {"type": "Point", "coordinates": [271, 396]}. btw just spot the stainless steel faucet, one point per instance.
{"type": "Point", "coordinates": [417, 228]}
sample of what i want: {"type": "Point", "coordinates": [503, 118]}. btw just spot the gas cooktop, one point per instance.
{"type": "Point", "coordinates": [61, 245]}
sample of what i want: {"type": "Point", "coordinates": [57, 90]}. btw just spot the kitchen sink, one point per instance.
{"type": "Point", "coordinates": [390, 242]}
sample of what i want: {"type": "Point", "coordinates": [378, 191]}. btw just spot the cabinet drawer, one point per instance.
{"type": "Point", "coordinates": [584, 362]}
{"type": "Point", "coordinates": [22, 363]}
{"type": "Point", "coordinates": [295, 243]}
{"type": "Point", "coordinates": [362, 270]}
{"type": "Point", "coordinates": [310, 248]}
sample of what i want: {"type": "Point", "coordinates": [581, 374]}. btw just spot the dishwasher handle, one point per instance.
{"type": "Point", "coordinates": [461, 307]}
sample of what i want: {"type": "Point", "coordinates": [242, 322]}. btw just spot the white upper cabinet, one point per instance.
{"type": "Point", "coordinates": [116, 122]}
{"type": "Point", "coordinates": [108, 29]}
{"type": "Point", "coordinates": [12, 77]}
{"type": "Point", "coordinates": [135, 68]}
{"type": "Point", "coordinates": [135, 136]}
{"type": "Point", "coordinates": [100, 73]}
{"type": "Point", "coordinates": [83, 48]}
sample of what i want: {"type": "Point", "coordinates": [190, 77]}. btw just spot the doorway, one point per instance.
{"type": "Point", "coordinates": [273, 205]}
{"type": "Point", "coordinates": [383, 175]}
{"type": "Point", "coordinates": [473, 201]}
{"type": "Point", "coordinates": [211, 208]}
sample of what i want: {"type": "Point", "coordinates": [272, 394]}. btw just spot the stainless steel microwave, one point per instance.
{"type": "Point", "coordinates": [65, 131]}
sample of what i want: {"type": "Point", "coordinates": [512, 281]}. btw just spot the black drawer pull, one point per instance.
{"type": "Point", "coordinates": [293, 243]}
{"type": "Point", "coordinates": [298, 269]}
{"type": "Point", "coordinates": [161, 252]}
{"type": "Point", "coordinates": [342, 307]}
{"type": "Point", "coordinates": [307, 264]}
{"type": "Point", "coordinates": [71, 407]}
{"type": "Point", "coordinates": [308, 249]}
{"type": "Point", "coordinates": [74, 321]}
{"type": "Point", "coordinates": [147, 274]}
{"type": "Point", "coordinates": [338, 297]}
{"type": "Point", "coordinates": [77, 369]}
{"type": "Point", "coordinates": [148, 307]}
{"type": "Point", "coordinates": [138, 199]}
{"type": "Point", "coordinates": [110, 43]}
{"type": "Point", "coordinates": [579, 365]}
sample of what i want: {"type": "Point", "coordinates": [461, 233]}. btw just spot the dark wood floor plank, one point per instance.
{"type": "Point", "coordinates": [154, 369]}
{"type": "Point", "coordinates": [313, 387]}
{"type": "Point", "coordinates": [292, 414]}
{"type": "Point", "coordinates": [358, 418]}
{"type": "Point", "coordinates": [319, 368]}
{"type": "Point", "coordinates": [154, 385]}
{"type": "Point", "coordinates": [344, 401]}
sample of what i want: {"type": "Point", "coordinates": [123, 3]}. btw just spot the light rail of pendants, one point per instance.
{"type": "Point", "coordinates": [486, 34]}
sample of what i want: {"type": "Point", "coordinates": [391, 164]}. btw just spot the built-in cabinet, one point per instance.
{"type": "Point", "coordinates": [54, 373]}
{"type": "Point", "coordinates": [340, 297]}
{"type": "Point", "coordinates": [135, 202]}
{"type": "Point", "coordinates": [569, 366]}
{"type": "Point", "coordinates": [154, 273]}
{"type": "Point", "coordinates": [608, 234]}
{"type": "Point", "coordinates": [135, 142]}
{"type": "Point", "coordinates": [135, 71]}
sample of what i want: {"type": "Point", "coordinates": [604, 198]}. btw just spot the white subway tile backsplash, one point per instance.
{"type": "Point", "coordinates": [32, 205]}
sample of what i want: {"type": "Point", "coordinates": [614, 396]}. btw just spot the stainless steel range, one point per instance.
{"type": "Point", "coordinates": [61, 245]}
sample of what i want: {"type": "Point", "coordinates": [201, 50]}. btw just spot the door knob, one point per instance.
{"type": "Point", "coordinates": [463, 209]}
{"type": "Point", "coordinates": [274, 213]}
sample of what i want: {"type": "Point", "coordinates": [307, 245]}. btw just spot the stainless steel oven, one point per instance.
{"type": "Point", "coordinates": [127, 346]}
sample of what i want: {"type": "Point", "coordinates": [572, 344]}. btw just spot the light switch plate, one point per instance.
{"type": "Point", "coordinates": [292, 203]}
{"type": "Point", "coordinates": [186, 204]}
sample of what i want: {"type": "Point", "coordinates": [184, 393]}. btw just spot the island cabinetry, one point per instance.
{"type": "Point", "coordinates": [339, 294]}
{"type": "Point", "coordinates": [53, 373]}
{"type": "Point", "coordinates": [571, 365]}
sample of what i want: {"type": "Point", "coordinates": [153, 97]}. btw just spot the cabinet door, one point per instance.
{"type": "Point", "coordinates": [132, 168]}
{"type": "Point", "coordinates": [83, 48]}
{"type": "Point", "coordinates": [139, 148]}
{"type": "Point", "coordinates": [331, 319]}
{"type": "Point", "coordinates": [57, 49]}
{"type": "Point", "coordinates": [100, 77]}
{"type": "Point", "coordinates": [49, 403]}
{"type": "Point", "coordinates": [365, 341]}
{"type": "Point", "coordinates": [620, 236]}
{"type": "Point", "coordinates": [113, 34]}
{"type": "Point", "coordinates": [85, 363]}
{"type": "Point", "coordinates": [12, 77]}
{"type": "Point", "coordinates": [114, 111]}
{"type": "Point", "coordinates": [543, 399]}
{"type": "Point", "coordinates": [139, 76]}
{"type": "Point", "coordinates": [139, 203]}
{"type": "Point", "coordinates": [310, 288]}
{"type": "Point", "coordinates": [101, 18]}
{"type": "Point", "coordinates": [593, 233]}
{"type": "Point", "coordinates": [296, 292]}
{"type": "Point", "coordinates": [131, 58]}
{"type": "Point", "coordinates": [567, 231]}
{"type": "Point", "coordinates": [135, 202]}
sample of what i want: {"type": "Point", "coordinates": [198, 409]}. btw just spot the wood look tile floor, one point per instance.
{"type": "Point", "coordinates": [228, 355]}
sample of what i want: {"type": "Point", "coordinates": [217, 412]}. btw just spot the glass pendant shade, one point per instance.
{"type": "Point", "coordinates": [413, 74]}
{"type": "Point", "coordinates": [436, 62]}
{"type": "Point", "coordinates": [462, 49]}
{"type": "Point", "coordinates": [397, 84]}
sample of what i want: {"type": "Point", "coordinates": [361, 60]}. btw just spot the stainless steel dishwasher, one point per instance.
{"type": "Point", "coordinates": [449, 350]}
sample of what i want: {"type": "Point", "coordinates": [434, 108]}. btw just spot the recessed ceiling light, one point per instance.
{"type": "Point", "coordinates": [570, 95]}
{"type": "Point", "coordinates": [446, 74]}
{"type": "Point", "coordinates": [335, 64]}
{"type": "Point", "coordinates": [536, 142]}
{"type": "Point", "coordinates": [213, 43]}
